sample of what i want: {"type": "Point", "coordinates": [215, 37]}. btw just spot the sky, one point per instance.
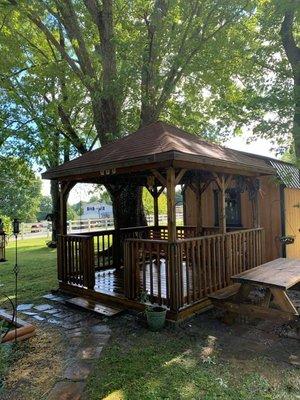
{"type": "Point", "coordinates": [261, 146]}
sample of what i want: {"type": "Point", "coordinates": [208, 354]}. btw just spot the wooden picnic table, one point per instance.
{"type": "Point", "coordinates": [276, 277]}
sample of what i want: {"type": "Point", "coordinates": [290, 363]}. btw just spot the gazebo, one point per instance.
{"type": "Point", "coordinates": [179, 266]}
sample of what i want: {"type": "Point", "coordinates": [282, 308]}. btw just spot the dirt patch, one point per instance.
{"type": "Point", "coordinates": [38, 365]}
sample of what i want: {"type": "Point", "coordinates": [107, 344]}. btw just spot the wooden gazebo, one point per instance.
{"type": "Point", "coordinates": [177, 265]}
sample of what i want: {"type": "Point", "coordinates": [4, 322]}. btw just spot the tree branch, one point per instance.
{"type": "Point", "coordinates": [70, 22]}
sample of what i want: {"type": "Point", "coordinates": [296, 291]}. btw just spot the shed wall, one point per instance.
{"type": "Point", "coordinates": [292, 220]}
{"type": "Point", "coordinates": [270, 214]}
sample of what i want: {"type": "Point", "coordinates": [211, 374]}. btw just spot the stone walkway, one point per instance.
{"type": "Point", "coordinates": [86, 334]}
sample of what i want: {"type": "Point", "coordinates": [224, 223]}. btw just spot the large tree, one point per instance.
{"type": "Point", "coordinates": [135, 62]}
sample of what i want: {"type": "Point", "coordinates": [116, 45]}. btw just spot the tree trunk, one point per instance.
{"type": "Point", "coordinates": [128, 207]}
{"type": "Point", "coordinates": [292, 51]}
{"type": "Point", "coordinates": [296, 121]}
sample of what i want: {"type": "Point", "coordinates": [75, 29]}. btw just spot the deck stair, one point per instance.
{"type": "Point", "coordinates": [99, 308]}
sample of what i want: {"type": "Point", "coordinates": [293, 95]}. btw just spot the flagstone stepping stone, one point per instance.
{"type": "Point", "coordinates": [96, 339]}
{"type": "Point", "coordinates": [100, 329]}
{"type": "Point", "coordinates": [30, 313]}
{"type": "Point", "coordinates": [75, 333]}
{"type": "Point", "coordinates": [43, 307]}
{"type": "Point", "coordinates": [74, 318]}
{"type": "Point", "coordinates": [53, 321]}
{"type": "Point", "coordinates": [67, 391]}
{"type": "Point", "coordinates": [89, 353]}
{"type": "Point", "coordinates": [51, 311]}
{"type": "Point", "coordinates": [60, 314]}
{"type": "Point", "coordinates": [38, 317]}
{"type": "Point", "coordinates": [78, 370]}
{"type": "Point", "coordinates": [24, 307]}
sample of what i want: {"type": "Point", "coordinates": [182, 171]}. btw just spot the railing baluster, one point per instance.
{"type": "Point", "coordinates": [158, 273]}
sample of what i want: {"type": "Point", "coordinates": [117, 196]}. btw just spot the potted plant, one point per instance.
{"type": "Point", "coordinates": [156, 315]}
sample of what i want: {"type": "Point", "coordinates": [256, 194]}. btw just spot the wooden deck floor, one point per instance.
{"type": "Point", "coordinates": [111, 281]}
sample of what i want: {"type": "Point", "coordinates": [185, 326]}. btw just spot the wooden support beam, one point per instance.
{"type": "Point", "coordinates": [283, 301]}
{"type": "Point", "coordinates": [159, 177]}
{"type": "Point", "coordinates": [179, 176]}
{"type": "Point", "coordinates": [155, 194]}
{"type": "Point", "coordinates": [256, 211]}
{"type": "Point", "coordinates": [155, 207]}
{"type": "Point", "coordinates": [223, 183]}
{"type": "Point", "coordinates": [171, 205]}
{"type": "Point", "coordinates": [199, 187]}
{"type": "Point", "coordinates": [199, 219]}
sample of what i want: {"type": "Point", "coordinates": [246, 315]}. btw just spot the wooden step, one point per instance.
{"type": "Point", "coordinates": [99, 308]}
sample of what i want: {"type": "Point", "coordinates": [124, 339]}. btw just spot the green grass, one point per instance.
{"type": "Point", "coordinates": [37, 270]}
{"type": "Point", "coordinates": [154, 366]}
{"type": "Point", "coordinates": [37, 275]}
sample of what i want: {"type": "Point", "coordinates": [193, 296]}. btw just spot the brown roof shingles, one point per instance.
{"type": "Point", "coordinates": [148, 144]}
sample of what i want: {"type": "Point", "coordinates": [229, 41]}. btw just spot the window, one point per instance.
{"type": "Point", "coordinates": [233, 207]}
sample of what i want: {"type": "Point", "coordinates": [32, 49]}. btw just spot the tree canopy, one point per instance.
{"type": "Point", "coordinates": [20, 189]}
{"type": "Point", "coordinates": [76, 74]}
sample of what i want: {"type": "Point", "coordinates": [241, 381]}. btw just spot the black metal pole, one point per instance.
{"type": "Point", "coordinates": [16, 271]}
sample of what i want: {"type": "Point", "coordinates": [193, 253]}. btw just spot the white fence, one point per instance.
{"type": "Point", "coordinates": [43, 229]}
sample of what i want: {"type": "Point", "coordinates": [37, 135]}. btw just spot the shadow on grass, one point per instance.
{"type": "Point", "coordinates": [163, 366]}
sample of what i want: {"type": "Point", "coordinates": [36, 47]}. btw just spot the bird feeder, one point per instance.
{"type": "Point", "coordinates": [2, 242]}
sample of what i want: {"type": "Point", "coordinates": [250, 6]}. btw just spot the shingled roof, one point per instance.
{"type": "Point", "coordinates": [154, 143]}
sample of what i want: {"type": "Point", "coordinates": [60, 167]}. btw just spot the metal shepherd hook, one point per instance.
{"type": "Point", "coordinates": [16, 231]}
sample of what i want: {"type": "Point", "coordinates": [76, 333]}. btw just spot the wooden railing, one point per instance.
{"type": "Point", "coordinates": [146, 269]}
{"type": "Point", "coordinates": [159, 232]}
{"type": "Point", "coordinates": [104, 250]}
{"type": "Point", "coordinates": [75, 254]}
{"type": "Point", "coordinates": [208, 262]}
{"type": "Point", "coordinates": [184, 272]}
{"type": "Point", "coordinates": [214, 230]}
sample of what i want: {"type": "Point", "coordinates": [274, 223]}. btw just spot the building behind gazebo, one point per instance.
{"type": "Point", "coordinates": [177, 265]}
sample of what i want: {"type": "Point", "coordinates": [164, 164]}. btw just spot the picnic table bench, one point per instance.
{"type": "Point", "coordinates": [276, 277]}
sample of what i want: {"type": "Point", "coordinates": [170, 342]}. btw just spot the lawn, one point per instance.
{"type": "Point", "coordinates": [141, 365]}
{"type": "Point", "coordinates": [37, 266]}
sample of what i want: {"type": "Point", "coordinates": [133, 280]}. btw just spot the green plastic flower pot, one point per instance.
{"type": "Point", "coordinates": [156, 318]}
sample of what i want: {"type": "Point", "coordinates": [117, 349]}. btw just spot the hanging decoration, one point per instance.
{"type": "Point", "coordinates": [150, 182]}
{"type": "Point", "coordinates": [240, 184]}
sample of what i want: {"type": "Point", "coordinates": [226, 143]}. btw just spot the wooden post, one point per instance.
{"type": "Point", "coordinates": [171, 205]}
{"type": "Point", "coordinates": [223, 183]}
{"type": "Point", "coordinates": [199, 221]}
{"type": "Point", "coordinates": [222, 206]}
{"type": "Point", "coordinates": [155, 203]}
{"type": "Point", "coordinates": [256, 213]}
